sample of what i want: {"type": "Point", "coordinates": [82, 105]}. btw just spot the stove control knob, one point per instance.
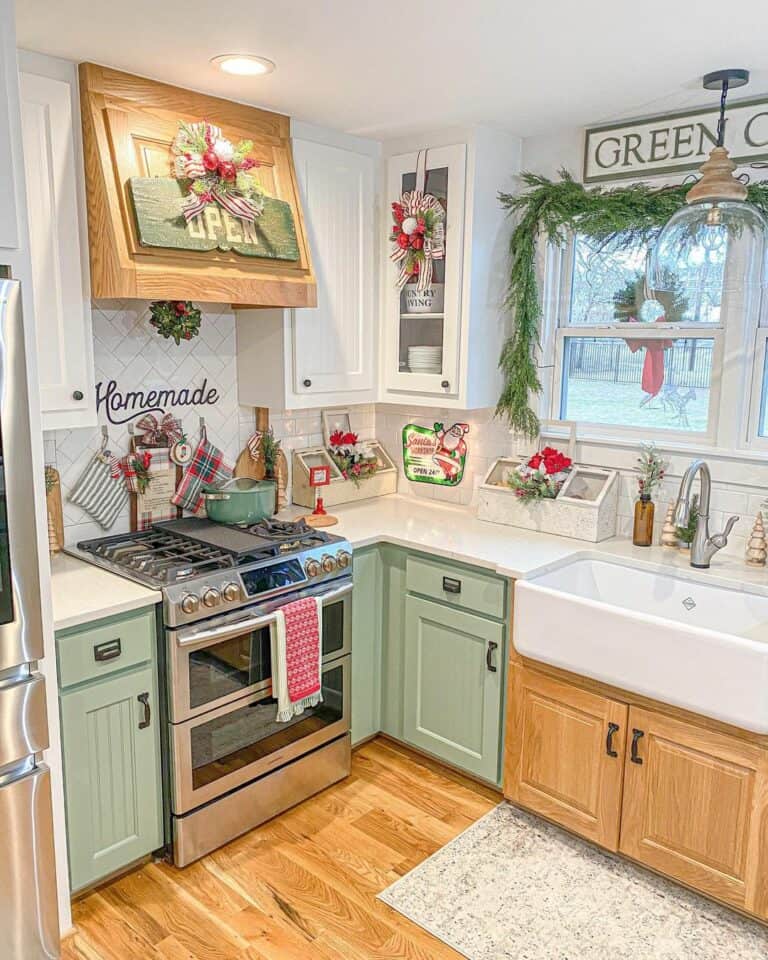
{"type": "Point", "coordinates": [328, 563]}
{"type": "Point", "coordinates": [190, 603]}
{"type": "Point", "coordinates": [343, 558]}
{"type": "Point", "coordinates": [231, 592]}
{"type": "Point", "coordinates": [312, 568]}
{"type": "Point", "coordinates": [211, 597]}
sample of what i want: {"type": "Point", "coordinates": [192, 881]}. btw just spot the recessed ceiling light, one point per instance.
{"type": "Point", "coordinates": [243, 64]}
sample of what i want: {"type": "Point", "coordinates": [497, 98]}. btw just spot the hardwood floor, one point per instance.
{"type": "Point", "coordinates": [303, 885]}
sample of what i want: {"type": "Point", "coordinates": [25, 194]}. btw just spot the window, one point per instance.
{"type": "Point", "coordinates": [626, 361]}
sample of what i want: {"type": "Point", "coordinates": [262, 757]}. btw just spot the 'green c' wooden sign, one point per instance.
{"type": "Point", "coordinates": [157, 203]}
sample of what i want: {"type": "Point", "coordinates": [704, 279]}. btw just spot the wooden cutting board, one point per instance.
{"type": "Point", "coordinates": [246, 466]}
{"type": "Point", "coordinates": [54, 510]}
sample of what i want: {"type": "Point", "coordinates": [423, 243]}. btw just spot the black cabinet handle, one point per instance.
{"type": "Point", "coordinates": [78, 395]}
{"type": "Point", "coordinates": [451, 585]}
{"type": "Point", "coordinates": [636, 735]}
{"type": "Point", "coordinates": [612, 728]}
{"type": "Point", "coordinates": [445, 384]}
{"type": "Point", "coordinates": [307, 383]}
{"type": "Point", "coordinates": [492, 645]}
{"type": "Point", "coordinates": [109, 650]}
{"type": "Point", "coordinates": [143, 699]}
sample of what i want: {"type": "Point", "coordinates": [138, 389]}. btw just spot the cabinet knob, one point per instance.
{"type": "Point", "coordinates": [307, 383]}
{"type": "Point", "coordinates": [78, 395]}
{"type": "Point", "coordinates": [445, 384]}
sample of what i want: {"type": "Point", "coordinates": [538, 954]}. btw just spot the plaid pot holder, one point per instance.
{"type": "Point", "coordinates": [206, 466]}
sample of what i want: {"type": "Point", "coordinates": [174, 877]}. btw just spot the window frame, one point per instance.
{"type": "Point", "coordinates": [733, 415]}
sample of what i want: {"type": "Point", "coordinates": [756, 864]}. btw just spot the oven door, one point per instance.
{"type": "Point", "coordinates": [215, 663]}
{"type": "Point", "coordinates": [239, 742]}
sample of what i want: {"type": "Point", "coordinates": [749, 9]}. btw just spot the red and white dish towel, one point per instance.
{"type": "Point", "coordinates": [297, 657]}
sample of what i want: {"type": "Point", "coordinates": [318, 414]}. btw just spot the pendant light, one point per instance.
{"type": "Point", "coordinates": [717, 223]}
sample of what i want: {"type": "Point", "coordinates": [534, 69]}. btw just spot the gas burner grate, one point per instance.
{"type": "Point", "coordinates": [294, 530]}
{"type": "Point", "coordinates": [160, 557]}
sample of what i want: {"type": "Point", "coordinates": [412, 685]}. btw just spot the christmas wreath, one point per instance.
{"type": "Point", "coordinates": [216, 171]}
{"type": "Point", "coordinates": [177, 319]}
{"type": "Point", "coordinates": [418, 237]}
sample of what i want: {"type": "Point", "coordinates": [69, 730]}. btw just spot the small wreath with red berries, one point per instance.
{"type": "Point", "coordinates": [175, 319]}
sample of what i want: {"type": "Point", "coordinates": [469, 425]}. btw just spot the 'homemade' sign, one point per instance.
{"type": "Point", "coordinates": [677, 141]}
{"type": "Point", "coordinates": [160, 222]}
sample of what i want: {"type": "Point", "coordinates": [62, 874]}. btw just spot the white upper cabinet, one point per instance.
{"type": "Point", "coordinates": [59, 278]}
{"type": "Point", "coordinates": [324, 355]}
{"type": "Point", "coordinates": [333, 344]}
{"type": "Point", "coordinates": [441, 346]}
{"type": "Point", "coordinates": [9, 185]}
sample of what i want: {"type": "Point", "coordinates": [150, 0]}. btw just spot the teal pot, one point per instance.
{"type": "Point", "coordinates": [240, 500]}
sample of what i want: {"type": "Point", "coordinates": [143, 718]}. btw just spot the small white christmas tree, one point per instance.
{"type": "Point", "coordinates": [669, 530]}
{"type": "Point", "coordinates": [757, 547]}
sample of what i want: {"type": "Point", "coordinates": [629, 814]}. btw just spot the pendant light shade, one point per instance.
{"type": "Point", "coordinates": [718, 232]}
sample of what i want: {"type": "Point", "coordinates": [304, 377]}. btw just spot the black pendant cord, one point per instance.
{"type": "Point", "coordinates": [721, 121]}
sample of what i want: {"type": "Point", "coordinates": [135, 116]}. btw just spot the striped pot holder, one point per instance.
{"type": "Point", "coordinates": [206, 466]}
{"type": "Point", "coordinates": [100, 491]}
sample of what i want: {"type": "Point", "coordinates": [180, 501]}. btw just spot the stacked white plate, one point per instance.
{"type": "Point", "coordinates": [425, 359]}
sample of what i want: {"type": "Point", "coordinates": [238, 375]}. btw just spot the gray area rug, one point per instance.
{"type": "Point", "coordinates": [513, 887]}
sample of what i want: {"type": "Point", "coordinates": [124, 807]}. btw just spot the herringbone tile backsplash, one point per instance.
{"type": "Point", "coordinates": [127, 349]}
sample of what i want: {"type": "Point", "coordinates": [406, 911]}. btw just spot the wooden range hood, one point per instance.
{"type": "Point", "coordinates": [129, 124]}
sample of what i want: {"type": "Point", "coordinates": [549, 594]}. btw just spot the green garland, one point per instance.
{"type": "Point", "coordinates": [551, 210]}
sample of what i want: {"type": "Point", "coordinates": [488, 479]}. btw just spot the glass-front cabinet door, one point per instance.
{"type": "Point", "coordinates": [423, 326]}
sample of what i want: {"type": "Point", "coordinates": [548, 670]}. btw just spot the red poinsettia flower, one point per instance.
{"type": "Point", "coordinates": [349, 439]}
{"type": "Point", "coordinates": [535, 462]}
{"type": "Point", "coordinates": [227, 170]}
{"type": "Point", "coordinates": [336, 439]}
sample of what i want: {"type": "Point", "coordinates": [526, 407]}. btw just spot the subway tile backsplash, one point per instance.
{"type": "Point", "coordinates": [128, 350]}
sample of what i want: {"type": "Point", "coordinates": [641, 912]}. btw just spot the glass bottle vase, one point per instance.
{"type": "Point", "coordinates": [642, 532]}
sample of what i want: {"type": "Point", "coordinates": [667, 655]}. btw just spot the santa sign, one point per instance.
{"type": "Point", "coordinates": [435, 454]}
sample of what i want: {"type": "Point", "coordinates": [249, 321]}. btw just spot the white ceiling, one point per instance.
{"type": "Point", "coordinates": [383, 68]}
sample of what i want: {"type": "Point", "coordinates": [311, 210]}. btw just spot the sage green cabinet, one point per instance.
{"type": "Point", "coordinates": [453, 685]}
{"type": "Point", "coordinates": [111, 748]}
{"type": "Point", "coordinates": [366, 644]}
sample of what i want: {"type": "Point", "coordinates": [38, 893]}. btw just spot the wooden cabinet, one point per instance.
{"type": "Point", "coordinates": [366, 644]}
{"type": "Point", "coordinates": [111, 746]}
{"type": "Point", "coordinates": [52, 160]}
{"type": "Point", "coordinates": [461, 325]}
{"type": "Point", "coordinates": [565, 752]}
{"type": "Point", "coordinates": [453, 669]}
{"type": "Point", "coordinates": [685, 798]}
{"type": "Point", "coordinates": [324, 355]}
{"type": "Point", "coordinates": [696, 808]}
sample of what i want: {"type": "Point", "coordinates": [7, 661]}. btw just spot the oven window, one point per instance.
{"type": "Point", "coordinates": [245, 735]}
{"type": "Point", "coordinates": [229, 667]}
{"type": "Point", "coordinates": [333, 627]}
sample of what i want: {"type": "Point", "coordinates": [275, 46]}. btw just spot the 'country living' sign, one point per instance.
{"type": "Point", "coordinates": [677, 141]}
{"type": "Point", "coordinates": [160, 222]}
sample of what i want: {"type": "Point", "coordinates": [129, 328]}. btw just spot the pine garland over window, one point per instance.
{"type": "Point", "coordinates": [551, 210]}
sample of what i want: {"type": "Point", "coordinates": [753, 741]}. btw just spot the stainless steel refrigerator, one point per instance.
{"type": "Point", "coordinates": [29, 923]}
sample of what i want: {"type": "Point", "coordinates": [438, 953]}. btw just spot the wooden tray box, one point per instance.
{"type": "Point", "coordinates": [585, 508]}
{"type": "Point", "coordinates": [339, 490]}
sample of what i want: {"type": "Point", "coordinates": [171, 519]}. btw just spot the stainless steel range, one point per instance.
{"type": "Point", "coordinates": [232, 766]}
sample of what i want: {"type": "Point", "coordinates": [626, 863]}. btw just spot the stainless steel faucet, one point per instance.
{"type": "Point", "coordinates": [704, 546]}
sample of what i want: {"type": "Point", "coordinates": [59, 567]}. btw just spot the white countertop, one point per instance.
{"type": "Point", "coordinates": [82, 593]}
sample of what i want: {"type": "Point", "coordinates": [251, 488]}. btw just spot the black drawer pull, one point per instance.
{"type": "Point", "coordinates": [450, 585]}
{"type": "Point", "coordinates": [612, 728]}
{"type": "Point", "coordinates": [143, 699]}
{"type": "Point", "coordinates": [492, 645]}
{"type": "Point", "coordinates": [636, 735]}
{"type": "Point", "coordinates": [109, 650]}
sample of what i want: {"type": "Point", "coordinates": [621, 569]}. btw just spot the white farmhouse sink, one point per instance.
{"type": "Point", "coordinates": [685, 642]}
